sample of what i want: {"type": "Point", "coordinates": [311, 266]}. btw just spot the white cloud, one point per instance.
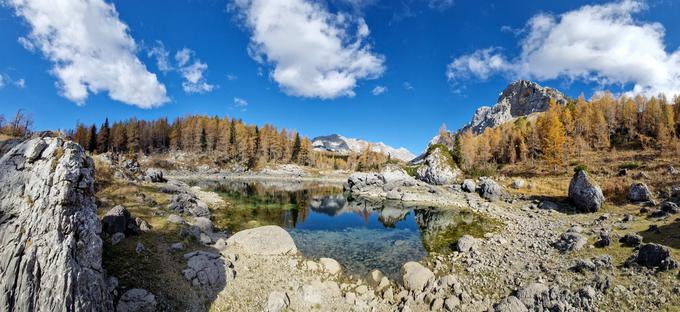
{"type": "Point", "coordinates": [407, 86]}
{"type": "Point", "coordinates": [161, 55]}
{"type": "Point", "coordinates": [378, 90]}
{"type": "Point", "coordinates": [440, 4]}
{"type": "Point", "coordinates": [231, 77]}
{"type": "Point", "coordinates": [314, 53]}
{"type": "Point", "coordinates": [6, 79]}
{"type": "Point", "coordinates": [2, 81]}
{"type": "Point", "coordinates": [21, 83]}
{"type": "Point", "coordinates": [599, 43]}
{"type": "Point", "coordinates": [194, 80]}
{"type": "Point", "coordinates": [91, 49]}
{"type": "Point", "coordinates": [240, 104]}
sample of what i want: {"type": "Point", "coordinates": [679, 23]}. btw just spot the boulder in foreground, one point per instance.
{"type": "Point", "coordinates": [584, 193]}
{"type": "Point", "coordinates": [51, 254]}
{"type": "Point", "coordinates": [265, 240]}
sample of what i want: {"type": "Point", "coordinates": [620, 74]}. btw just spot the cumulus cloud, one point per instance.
{"type": "Point", "coordinates": [193, 74]}
{"type": "Point", "coordinates": [407, 86]}
{"type": "Point", "coordinates": [314, 53]}
{"type": "Point", "coordinates": [378, 90]}
{"type": "Point", "coordinates": [91, 50]}
{"type": "Point", "coordinates": [604, 43]}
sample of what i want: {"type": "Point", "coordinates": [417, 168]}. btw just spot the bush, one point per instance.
{"type": "Point", "coordinates": [411, 170]}
{"type": "Point", "coordinates": [630, 165]}
{"type": "Point", "coordinates": [579, 167]}
{"type": "Point", "coordinates": [482, 171]}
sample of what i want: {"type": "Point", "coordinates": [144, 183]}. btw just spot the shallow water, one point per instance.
{"type": "Point", "coordinates": [361, 235]}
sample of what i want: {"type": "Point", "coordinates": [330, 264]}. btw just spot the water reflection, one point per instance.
{"type": "Point", "coordinates": [361, 234]}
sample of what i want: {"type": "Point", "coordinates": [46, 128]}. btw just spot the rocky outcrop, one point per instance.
{"type": "Point", "coordinates": [438, 168]}
{"type": "Point", "coordinates": [520, 98]}
{"type": "Point", "coordinates": [50, 249]}
{"type": "Point", "coordinates": [137, 300]}
{"type": "Point", "coordinates": [584, 193]}
{"type": "Point", "coordinates": [375, 184]}
{"type": "Point", "coordinates": [265, 240]}
{"type": "Point", "coordinates": [155, 176]}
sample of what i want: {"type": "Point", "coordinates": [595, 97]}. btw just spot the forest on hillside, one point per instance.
{"type": "Point", "coordinates": [602, 124]}
{"type": "Point", "coordinates": [226, 140]}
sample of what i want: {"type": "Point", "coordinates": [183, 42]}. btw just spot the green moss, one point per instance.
{"type": "Point", "coordinates": [411, 170]}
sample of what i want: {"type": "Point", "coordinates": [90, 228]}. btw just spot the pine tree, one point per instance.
{"type": "Point", "coordinates": [203, 141]}
{"type": "Point", "coordinates": [103, 138]}
{"type": "Point", "coordinates": [92, 139]}
{"type": "Point", "coordinates": [296, 148]}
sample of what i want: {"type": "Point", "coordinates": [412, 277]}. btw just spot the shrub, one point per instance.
{"type": "Point", "coordinates": [579, 167]}
{"type": "Point", "coordinates": [630, 165]}
{"type": "Point", "coordinates": [487, 170]}
{"type": "Point", "coordinates": [411, 170]}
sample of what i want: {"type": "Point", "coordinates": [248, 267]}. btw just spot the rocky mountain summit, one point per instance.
{"type": "Point", "coordinates": [342, 145]}
{"type": "Point", "coordinates": [520, 98]}
{"type": "Point", "coordinates": [50, 249]}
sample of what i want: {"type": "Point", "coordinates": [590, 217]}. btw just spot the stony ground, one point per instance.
{"type": "Point", "coordinates": [515, 259]}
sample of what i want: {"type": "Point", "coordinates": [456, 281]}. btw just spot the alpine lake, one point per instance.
{"type": "Point", "coordinates": [361, 234]}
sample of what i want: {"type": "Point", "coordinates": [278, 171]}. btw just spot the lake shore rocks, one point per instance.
{"type": "Point", "coordinates": [265, 240]}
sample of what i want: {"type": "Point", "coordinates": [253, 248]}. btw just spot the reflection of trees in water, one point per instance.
{"type": "Point", "coordinates": [441, 228]}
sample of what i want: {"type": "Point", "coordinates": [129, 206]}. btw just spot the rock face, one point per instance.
{"type": "Point", "coordinates": [584, 193]}
{"type": "Point", "coordinates": [264, 240]}
{"type": "Point", "coordinates": [438, 168]}
{"type": "Point", "coordinates": [520, 98]}
{"type": "Point", "coordinates": [653, 256]}
{"type": "Point", "coordinates": [342, 145]}
{"type": "Point", "coordinates": [51, 252]}
{"type": "Point", "coordinates": [639, 192]}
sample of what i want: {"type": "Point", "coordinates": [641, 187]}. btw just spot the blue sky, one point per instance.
{"type": "Point", "coordinates": [390, 71]}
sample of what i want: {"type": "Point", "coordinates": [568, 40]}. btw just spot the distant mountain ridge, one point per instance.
{"type": "Point", "coordinates": [343, 145]}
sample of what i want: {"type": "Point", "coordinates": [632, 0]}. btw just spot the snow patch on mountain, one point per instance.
{"type": "Point", "coordinates": [343, 145]}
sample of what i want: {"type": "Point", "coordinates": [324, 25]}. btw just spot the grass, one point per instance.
{"type": "Point", "coordinates": [158, 269]}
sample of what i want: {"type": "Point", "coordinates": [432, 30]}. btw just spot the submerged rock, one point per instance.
{"type": "Point", "coordinates": [584, 193]}
{"type": "Point", "coordinates": [264, 240]}
{"type": "Point", "coordinates": [51, 254]}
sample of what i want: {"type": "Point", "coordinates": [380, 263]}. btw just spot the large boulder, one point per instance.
{"type": "Point", "coordinates": [653, 256]}
{"type": "Point", "coordinates": [469, 186]}
{"type": "Point", "coordinates": [584, 193]}
{"type": "Point", "coordinates": [264, 240]}
{"type": "Point", "coordinates": [377, 184]}
{"type": "Point", "coordinates": [639, 192]}
{"type": "Point", "coordinates": [189, 204]}
{"type": "Point", "coordinates": [118, 220]}
{"type": "Point", "coordinates": [207, 271]}
{"type": "Point", "coordinates": [491, 190]}
{"type": "Point", "coordinates": [438, 168]}
{"type": "Point", "coordinates": [51, 251]}
{"type": "Point", "coordinates": [415, 276]}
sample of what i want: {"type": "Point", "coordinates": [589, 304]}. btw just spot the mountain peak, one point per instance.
{"type": "Point", "coordinates": [343, 145]}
